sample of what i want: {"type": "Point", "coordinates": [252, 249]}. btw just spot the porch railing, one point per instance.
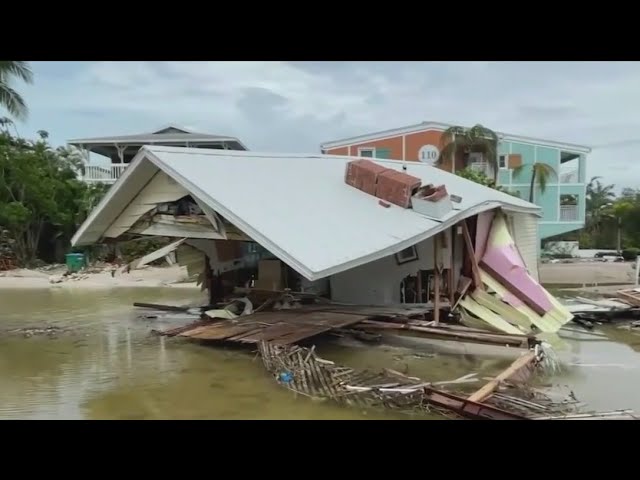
{"type": "Point", "coordinates": [481, 167]}
{"type": "Point", "coordinates": [104, 174]}
{"type": "Point", "coordinates": [570, 176]}
{"type": "Point", "coordinates": [569, 213]}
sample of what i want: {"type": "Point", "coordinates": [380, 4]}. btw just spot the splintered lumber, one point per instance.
{"type": "Point", "coordinates": [481, 337]}
{"type": "Point", "coordinates": [302, 371]}
{"type": "Point", "coordinates": [522, 362]}
{"type": "Point", "coordinates": [475, 269]}
{"type": "Point", "coordinates": [469, 408]}
{"type": "Point", "coordinates": [629, 297]}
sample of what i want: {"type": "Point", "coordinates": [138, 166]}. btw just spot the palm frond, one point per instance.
{"type": "Point", "coordinates": [13, 101]}
{"type": "Point", "coordinates": [448, 151]}
{"type": "Point", "coordinates": [544, 172]}
{"type": "Point", "coordinates": [19, 69]}
{"type": "Point", "coordinates": [518, 170]}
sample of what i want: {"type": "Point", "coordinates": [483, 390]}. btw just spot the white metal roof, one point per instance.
{"type": "Point", "coordinates": [297, 206]}
{"type": "Point", "coordinates": [438, 126]}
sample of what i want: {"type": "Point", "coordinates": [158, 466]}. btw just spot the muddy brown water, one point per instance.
{"type": "Point", "coordinates": [107, 365]}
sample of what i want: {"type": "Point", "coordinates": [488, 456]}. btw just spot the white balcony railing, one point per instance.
{"type": "Point", "coordinates": [481, 167]}
{"type": "Point", "coordinates": [570, 176]}
{"type": "Point", "coordinates": [104, 174]}
{"type": "Point", "coordinates": [569, 213]}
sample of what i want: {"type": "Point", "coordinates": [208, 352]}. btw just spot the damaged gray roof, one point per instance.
{"type": "Point", "coordinates": [297, 206]}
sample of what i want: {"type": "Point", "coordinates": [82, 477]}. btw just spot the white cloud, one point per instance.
{"type": "Point", "coordinates": [296, 106]}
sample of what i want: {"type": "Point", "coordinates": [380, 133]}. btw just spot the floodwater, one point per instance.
{"type": "Point", "coordinates": [110, 366]}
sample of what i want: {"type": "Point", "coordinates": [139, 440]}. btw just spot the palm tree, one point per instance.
{"type": "Point", "coordinates": [598, 199]}
{"type": "Point", "coordinates": [467, 140]}
{"type": "Point", "coordinates": [541, 173]}
{"type": "Point", "coordinates": [10, 99]}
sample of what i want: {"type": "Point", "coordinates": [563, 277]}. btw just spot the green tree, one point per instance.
{"type": "Point", "coordinates": [10, 99]}
{"type": "Point", "coordinates": [465, 140]}
{"type": "Point", "coordinates": [479, 177]}
{"type": "Point", "coordinates": [40, 192]}
{"type": "Point", "coordinates": [598, 198]}
{"type": "Point", "coordinates": [541, 174]}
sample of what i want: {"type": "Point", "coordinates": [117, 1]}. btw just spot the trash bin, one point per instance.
{"type": "Point", "coordinates": [75, 261]}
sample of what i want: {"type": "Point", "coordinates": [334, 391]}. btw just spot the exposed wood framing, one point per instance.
{"type": "Point", "coordinates": [475, 270]}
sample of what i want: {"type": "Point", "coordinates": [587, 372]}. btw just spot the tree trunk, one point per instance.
{"type": "Point", "coordinates": [533, 182]}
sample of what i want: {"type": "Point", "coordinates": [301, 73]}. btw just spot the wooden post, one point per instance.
{"type": "Point", "coordinates": [208, 278]}
{"type": "Point", "coordinates": [436, 279]}
{"type": "Point", "coordinates": [475, 270]}
{"type": "Point", "coordinates": [451, 276]}
{"type": "Point", "coordinates": [419, 286]}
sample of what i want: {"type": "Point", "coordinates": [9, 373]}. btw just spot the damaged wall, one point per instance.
{"type": "Point", "coordinates": [378, 282]}
{"type": "Point", "coordinates": [208, 247]}
{"type": "Point", "coordinates": [160, 189]}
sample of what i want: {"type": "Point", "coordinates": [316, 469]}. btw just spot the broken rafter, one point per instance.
{"type": "Point", "coordinates": [475, 269]}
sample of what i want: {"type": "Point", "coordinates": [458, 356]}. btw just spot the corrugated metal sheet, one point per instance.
{"type": "Point", "coordinates": [300, 209]}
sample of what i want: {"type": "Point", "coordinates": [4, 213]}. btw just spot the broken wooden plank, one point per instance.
{"type": "Point", "coordinates": [166, 308]}
{"type": "Point", "coordinates": [522, 362]}
{"type": "Point", "coordinates": [493, 338]}
{"type": "Point", "coordinates": [467, 407]}
{"type": "Point", "coordinates": [475, 269]}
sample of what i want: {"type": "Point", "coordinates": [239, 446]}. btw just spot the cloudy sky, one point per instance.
{"type": "Point", "coordinates": [280, 106]}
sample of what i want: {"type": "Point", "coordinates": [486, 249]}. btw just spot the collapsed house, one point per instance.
{"type": "Point", "coordinates": [380, 233]}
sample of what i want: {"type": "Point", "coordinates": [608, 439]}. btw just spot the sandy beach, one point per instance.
{"type": "Point", "coordinates": [587, 274]}
{"type": "Point", "coordinates": [174, 277]}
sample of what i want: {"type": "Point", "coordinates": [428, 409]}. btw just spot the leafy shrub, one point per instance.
{"type": "Point", "coordinates": [630, 253]}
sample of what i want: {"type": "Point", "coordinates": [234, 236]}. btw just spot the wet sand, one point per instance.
{"type": "Point", "coordinates": [586, 273]}
{"type": "Point", "coordinates": [174, 276]}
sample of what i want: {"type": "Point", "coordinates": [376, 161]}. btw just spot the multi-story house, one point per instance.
{"type": "Point", "coordinates": [120, 150]}
{"type": "Point", "coordinates": [562, 200]}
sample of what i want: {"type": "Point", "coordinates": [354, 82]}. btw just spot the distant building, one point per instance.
{"type": "Point", "coordinates": [121, 149]}
{"type": "Point", "coordinates": [563, 201]}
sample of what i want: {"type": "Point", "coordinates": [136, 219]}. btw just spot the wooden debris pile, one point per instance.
{"type": "Point", "coordinates": [586, 311]}
{"type": "Point", "coordinates": [506, 397]}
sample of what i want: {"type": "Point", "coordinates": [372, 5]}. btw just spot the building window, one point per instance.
{"type": "Point", "coordinates": [368, 152]}
{"type": "Point", "coordinates": [502, 161]}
